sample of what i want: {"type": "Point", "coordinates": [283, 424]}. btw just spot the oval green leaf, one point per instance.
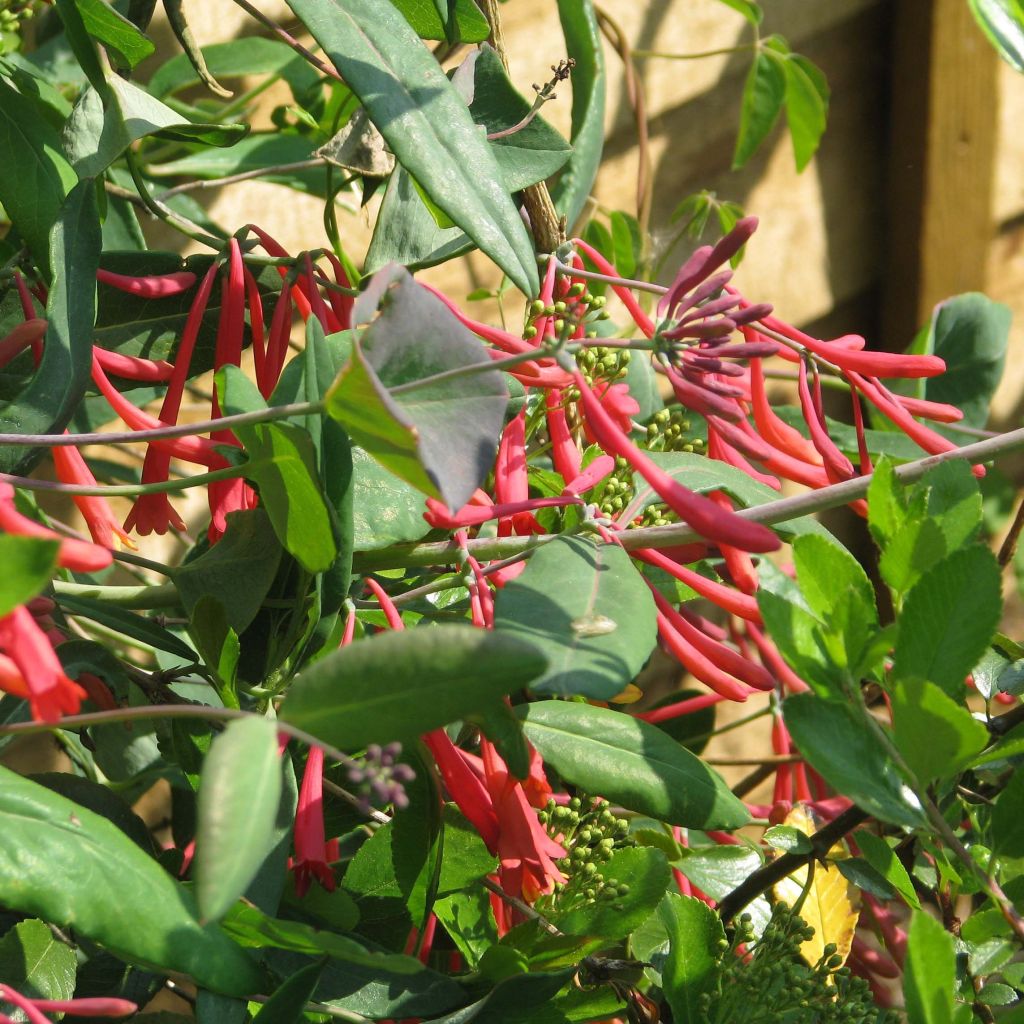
{"type": "Point", "coordinates": [399, 685]}
{"type": "Point", "coordinates": [238, 798]}
{"type": "Point", "coordinates": [73, 868]}
{"type": "Point", "coordinates": [597, 627]}
{"type": "Point", "coordinates": [631, 763]}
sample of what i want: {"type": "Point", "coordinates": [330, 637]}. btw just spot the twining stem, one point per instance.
{"type": "Point", "coordinates": [770, 513]}
{"type": "Point", "coordinates": [288, 38]}
{"type": "Point", "coordinates": [231, 179]}
{"type": "Point", "coordinates": [700, 55]}
{"type": "Point", "coordinates": [164, 595]}
{"type": "Point", "coordinates": [274, 412]}
{"type": "Point", "coordinates": [123, 490]}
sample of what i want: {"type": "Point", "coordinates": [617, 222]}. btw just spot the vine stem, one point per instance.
{"type": "Point", "coordinates": [29, 483]}
{"type": "Point", "coordinates": [770, 513]}
{"type": "Point", "coordinates": [274, 412]}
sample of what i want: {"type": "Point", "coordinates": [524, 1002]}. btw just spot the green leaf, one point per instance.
{"type": "Point", "coordinates": [282, 465]}
{"type": "Point", "coordinates": [645, 871]}
{"type": "Point", "coordinates": [1007, 822]}
{"type": "Point", "coordinates": [287, 1003]}
{"type": "Point", "coordinates": [954, 500]}
{"type": "Point", "coordinates": [695, 935]}
{"type": "Point", "coordinates": [584, 45]}
{"type": "Point", "coordinates": [929, 978]}
{"type": "Point", "coordinates": [71, 867]}
{"type": "Point", "coordinates": [763, 96]}
{"type": "Point", "coordinates": [237, 807]}
{"type": "Point", "coordinates": [935, 735]}
{"type": "Point", "coordinates": [29, 564]}
{"type": "Point", "coordinates": [129, 114]}
{"type": "Point", "coordinates": [1002, 21]}
{"type": "Point", "coordinates": [839, 744]}
{"type": "Point", "coordinates": [401, 684]}
{"type": "Point", "coordinates": [807, 96]}
{"type": "Point", "coordinates": [970, 332]}
{"type": "Point", "coordinates": [881, 856]}
{"type": "Point", "coordinates": [251, 928]}
{"type": "Point", "coordinates": [249, 55]}
{"type": "Point", "coordinates": [114, 31]}
{"type": "Point", "coordinates": [425, 122]}
{"type": "Point", "coordinates": [596, 628]}
{"type": "Point", "coordinates": [439, 436]}
{"type": "Point", "coordinates": [468, 919]}
{"type": "Point", "coordinates": [33, 187]}
{"type": "Point", "coordinates": [886, 502]}
{"type": "Point", "coordinates": [462, 22]}
{"type": "Point", "coordinates": [916, 546]}
{"type": "Point", "coordinates": [717, 870]}
{"type": "Point", "coordinates": [238, 570]}
{"type": "Point", "coordinates": [839, 594]}
{"type": "Point", "coordinates": [385, 509]}
{"type": "Point", "coordinates": [940, 637]}
{"type": "Point", "coordinates": [788, 839]}
{"type": "Point", "coordinates": [36, 965]}
{"type": "Point", "coordinates": [630, 763]}
{"type": "Point", "coordinates": [50, 399]}
{"type": "Point", "coordinates": [466, 857]}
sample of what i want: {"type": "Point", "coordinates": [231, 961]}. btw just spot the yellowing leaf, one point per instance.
{"type": "Point", "coordinates": [832, 905]}
{"type": "Point", "coordinates": [630, 695]}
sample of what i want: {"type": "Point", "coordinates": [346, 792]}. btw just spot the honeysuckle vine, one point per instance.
{"type": "Point", "coordinates": [431, 667]}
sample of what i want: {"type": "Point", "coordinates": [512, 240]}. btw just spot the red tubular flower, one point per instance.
{"type": "Point", "coordinates": [104, 529]}
{"type": "Point", "coordinates": [717, 593]}
{"type": "Point", "coordinates": [311, 850]}
{"type": "Point", "coordinates": [940, 412]}
{"type": "Point", "coordinates": [601, 467]}
{"type": "Point", "coordinates": [464, 786]}
{"type": "Point", "coordinates": [699, 512]}
{"type": "Point", "coordinates": [35, 1008]}
{"type": "Point", "coordinates": [29, 333]}
{"type": "Point", "coordinates": [740, 565]}
{"type": "Point", "coordinates": [683, 707]}
{"type": "Point", "coordinates": [160, 286]}
{"type": "Point", "coordinates": [774, 661]}
{"type": "Point", "coordinates": [837, 465]}
{"type": "Point", "coordinates": [153, 513]}
{"type": "Point", "coordinates": [718, 653]}
{"type": "Point", "coordinates": [133, 367]}
{"type": "Point", "coordinates": [640, 318]}
{"type": "Point", "coordinates": [564, 452]}
{"type": "Point", "coordinates": [77, 555]}
{"type": "Point", "coordinates": [699, 666]}
{"type": "Point", "coordinates": [39, 675]}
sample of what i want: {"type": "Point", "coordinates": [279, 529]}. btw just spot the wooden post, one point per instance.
{"type": "Point", "coordinates": [941, 166]}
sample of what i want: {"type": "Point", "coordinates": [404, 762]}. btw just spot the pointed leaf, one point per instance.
{"type": "Point", "coordinates": [630, 763]}
{"type": "Point", "coordinates": [237, 806]}
{"type": "Point", "coordinates": [695, 936]}
{"type": "Point", "coordinates": [115, 32]}
{"type": "Point", "coordinates": [597, 627]}
{"type": "Point", "coordinates": [940, 637]}
{"type": "Point", "coordinates": [425, 121]}
{"type": "Point", "coordinates": [838, 744]}
{"type": "Point", "coordinates": [881, 856]}
{"type": "Point", "coordinates": [807, 97]}
{"type": "Point", "coordinates": [71, 867]}
{"type": "Point", "coordinates": [763, 96]}
{"type": "Point", "coordinates": [29, 564]}
{"type": "Point", "coordinates": [929, 978]}
{"type": "Point", "coordinates": [399, 685]}
{"type": "Point", "coordinates": [36, 964]}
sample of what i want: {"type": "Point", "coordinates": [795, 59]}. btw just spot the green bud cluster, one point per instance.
{"type": "Point", "coordinates": [13, 13]}
{"type": "Point", "coordinates": [590, 832]}
{"type": "Point", "coordinates": [618, 489]}
{"type": "Point", "coordinates": [604, 364]}
{"type": "Point", "coordinates": [669, 431]}
{"type": "Point", "coordinates": [579, 307]}
{"type": "Point", "coordinates": [776, 983]}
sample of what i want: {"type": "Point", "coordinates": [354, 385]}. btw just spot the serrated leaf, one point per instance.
{"type": "Point", "coordinates": [596, 628]}
{"type": "Point", "coordinates": [940, 638]}
{"type": "Point", "coordinates": [401, 684]}
{"type": "Point", "coordinates": [831, 905]}
{"type": "Point", "coordinates": [630, 763]}
{"type": "Point", "coordinates": [35, 964]}
{"type": "Point", "coordinates": [695, 935]}
{"type": "Point", "coordinates": [836, 742]}
{"type": "Point", "coordinates": [763, 96]}
{"type": "Point", "coordinates": [935, 735]}
{"type": "Point", "coordinates": [237, 807]}
{"type": "Point", "coordinates": [74, 868]}
{"type": "Point", "coordinates": [929, 975]}
{"type": "Point", "coordinates": [426, 123]}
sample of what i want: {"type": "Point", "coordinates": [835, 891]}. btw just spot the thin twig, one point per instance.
{"type": "Point", "coordinates": [1009, 546]}
{"type": "Point", "coordinates": [231, 179]}
{"type": "Point", "coordinates": [288, 38]}
{"type": "Point", "coordinates": [524, 908]}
